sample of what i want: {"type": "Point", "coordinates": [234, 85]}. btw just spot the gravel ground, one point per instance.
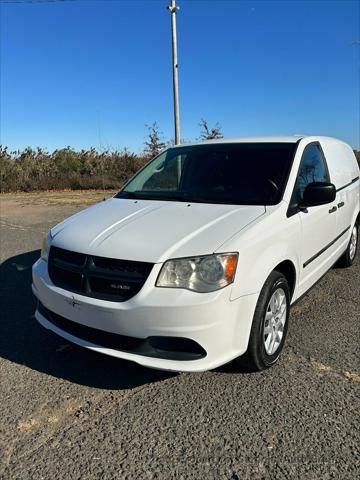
{"type": "Point", "coordinates": [66, 412]}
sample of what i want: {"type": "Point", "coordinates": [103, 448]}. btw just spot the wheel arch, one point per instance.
{"type": "Point", "coordinates": [278, 256]}
{"type": "Point", "coordinates": [287, 268]}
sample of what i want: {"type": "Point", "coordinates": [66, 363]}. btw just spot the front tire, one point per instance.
{"type": "Point", "coordinates": [270, 324]}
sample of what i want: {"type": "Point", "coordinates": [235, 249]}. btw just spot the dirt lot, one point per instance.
{"type": "Point", "coordinates": [69, 413]}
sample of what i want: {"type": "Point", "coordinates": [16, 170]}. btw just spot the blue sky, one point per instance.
{"type": "Point", "coordinates": [93, 72]}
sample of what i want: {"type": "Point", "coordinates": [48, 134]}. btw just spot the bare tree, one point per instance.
{"type": "Point", "coordinates": [154, 143]}
{"type": "Point", "coordinates": [208, 133]}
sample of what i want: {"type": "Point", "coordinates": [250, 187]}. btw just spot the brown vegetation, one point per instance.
{"type": "Point", "coordinates": [37, 169]}
{"type": "Point", "coordinates": [66, 168]}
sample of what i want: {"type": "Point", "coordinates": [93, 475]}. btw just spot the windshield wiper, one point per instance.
{"type": "Point", "coordinates": [186, 197]}
{"type": "Point", "coordinates": [125, 194]}
{"type": "Point", "coordinates": [152, 196]}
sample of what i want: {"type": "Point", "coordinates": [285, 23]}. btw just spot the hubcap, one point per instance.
{"type": "Point", "coordinates": [275, 319]}
{"type": "Point", "coordinates": [353, 243]}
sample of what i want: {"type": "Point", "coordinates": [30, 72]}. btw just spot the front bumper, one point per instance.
{"type": "Point", "coordinates": [221, 327]}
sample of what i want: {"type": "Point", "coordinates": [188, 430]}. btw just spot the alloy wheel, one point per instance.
{"type": "Point", "coordinates": [353, 243]}
{"type": "Point", "coordinates": [275, 319]}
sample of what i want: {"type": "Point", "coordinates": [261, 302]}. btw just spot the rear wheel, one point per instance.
{"type": "Point", "coordinates": [349, 255]}
{"type": "Point", "coordinates": [270, 324]}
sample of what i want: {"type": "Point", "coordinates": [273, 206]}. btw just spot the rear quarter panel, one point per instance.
{"type": "Point", "coordinates": [344, 170]}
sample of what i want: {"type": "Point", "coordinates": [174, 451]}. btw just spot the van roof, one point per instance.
{"type": "Point", "coordinates": [270, 139]}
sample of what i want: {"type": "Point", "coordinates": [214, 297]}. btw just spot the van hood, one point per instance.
{"type": "Point", "coordinates": [152, 231]}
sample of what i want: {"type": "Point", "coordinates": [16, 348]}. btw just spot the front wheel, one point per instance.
{"type": "Point", "coordinates": [270, 324]}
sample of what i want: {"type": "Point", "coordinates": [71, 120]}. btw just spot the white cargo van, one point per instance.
{"type": "Point", "coordinates": [198, 258]}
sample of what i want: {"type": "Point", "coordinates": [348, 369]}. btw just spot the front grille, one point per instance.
{"type": "Point", "coordinates": [98, 277]}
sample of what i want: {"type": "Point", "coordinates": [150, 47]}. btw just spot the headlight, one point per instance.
{"type": "Point", "coordinates": [201, 274]}
{"type": "Point", "coordinates": [46, 246]}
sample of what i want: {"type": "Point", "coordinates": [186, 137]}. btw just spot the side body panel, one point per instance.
{"type": "Point", "coordinates": [325, 235]}
{"type": "Point", "coordinates": [274, 237]}
{"type": "Point", "coordinates": [345, 175]}
{"type": "Point", "coordinates": [269, 241]}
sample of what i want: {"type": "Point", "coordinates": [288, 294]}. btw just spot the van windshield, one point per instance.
{"type": "Point", "coordinates": [230, 173]}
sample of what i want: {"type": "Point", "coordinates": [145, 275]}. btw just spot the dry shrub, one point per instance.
{"type": "Point", "coordinates": [37, 169]}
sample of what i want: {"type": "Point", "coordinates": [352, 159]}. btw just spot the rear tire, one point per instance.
{"type": "Point", "coordinates": [349, 255]}
{"type": "Point", "coordinates": [270, 324]}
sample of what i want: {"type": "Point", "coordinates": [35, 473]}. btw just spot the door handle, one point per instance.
{"type": "Point", "coordinates": [333, 209]}
{"type": "Point", "coordinates": [341, 204]}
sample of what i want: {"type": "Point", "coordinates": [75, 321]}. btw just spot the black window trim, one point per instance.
{"type": "Point", "coordinates": [294, 210]}
{"type": "Point", "coordinates": [297, 143]}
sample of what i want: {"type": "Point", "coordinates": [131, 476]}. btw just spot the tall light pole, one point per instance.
{"type": "Point", "coordinates": [173, 8]}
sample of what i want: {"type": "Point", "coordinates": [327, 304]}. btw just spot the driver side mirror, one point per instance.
{"type": "Point", "coordinates": [318, 193]}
